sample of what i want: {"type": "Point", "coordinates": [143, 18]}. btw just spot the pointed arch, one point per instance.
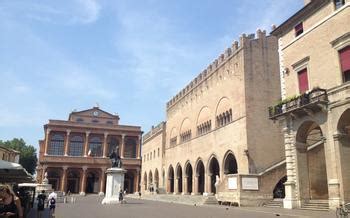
{"type": "Point", "coordinates": [200, 175]}
{"type": "Point", "coordinates": [170, 179]}
{"type": "Point", "coordinates": [213, 170]}
{"type": "Point", "coordinates": [156, 178]}
{"type": "Point", "coordinates": [150, 179]}
{"type": "Point", "coordinates": [188, 176]}
{"type": "Point", "coordinates": [145, 181]}
{"type": "Point", "coordinates": [179, 178]}
{"type": "Point", "coordinates": [230, 163]}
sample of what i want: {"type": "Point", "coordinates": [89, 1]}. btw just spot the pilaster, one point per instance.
{"type": "Point", "coordinates": [66, 143]}
{"type": "Point", "coordinates": [105, 144]}
{"type": "Point", "coordinates": [64, 178]}
{"type": "Point", "coordinates": [48, 130]}
{"type": "Point", "coordinates": [122, 147]}
{"type": "Point", "coordinates": [86, 144]}
{"type": "Point", "coordinates": [83, 181]}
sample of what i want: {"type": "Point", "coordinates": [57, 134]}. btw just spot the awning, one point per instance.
{"type": "Point", "coordinates": [13, 173]}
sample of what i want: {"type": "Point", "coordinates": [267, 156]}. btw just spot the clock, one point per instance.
{"type": "Point", "coordinates": [95, 113]}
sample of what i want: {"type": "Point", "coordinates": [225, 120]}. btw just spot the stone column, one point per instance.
{"type": "Point", "coordinates": [83, 181]}
{"type": "Point", "coordinates": [64, 178]}
{"type": "Point", "coordinates": [66, 144]}
{"type": "Point", "coordinates": [184, 185]}
{"type": "Point", "coordinates": [86, 144]}
{"type": "Point", "coordinates": [43, 174]}
{"type": "Point", "coordinates": [290, 200]}
{"type": "Point", "coordinates": [137, 180]}
{"type": "Point", "coordinates": [208, 184]}
{"type": "Point", "coordinates": [102, 181]}
{"type": "Point", "coordinates": [176, 186]}
{"type": "Point", "coordinates": [122, 146]}
{"type": "Point", "coordinates": [46, 140]}
{"type": "Point", "coordinates": [195, 185]}
{"type": "Point", "coordinates": [336, 184]}
{"type": "Point", "coordinates": [138, 148]}
{"type": "Point", "coordinates": [105, 144]}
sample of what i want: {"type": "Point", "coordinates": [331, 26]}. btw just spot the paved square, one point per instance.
{"type": "Point", "coordinates": [90, 206]}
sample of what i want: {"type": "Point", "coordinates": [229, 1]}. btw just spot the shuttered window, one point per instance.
{"type": "Point", "coordinates": [344, 55]}
{"type": "Point", "coordinates": [303, 81]}
{"type": "Point", "coordinates": [299, 29]}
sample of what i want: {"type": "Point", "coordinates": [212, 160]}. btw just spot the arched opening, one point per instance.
{"type": "Point", "coordinates": [344, 151]}
{"type": "Point", "coordinates": [130, 148]}
{"type": "Point", "coordinates": [311, 162]}
{"type": "Point", "coordinates": [73, 181]}
{"type": "Point", "coordinates": [200, 177]}
{"type": "Point", "coordinates": [54, 177]}
{"type": "Point", "coordinates": [150, 181]}
{"type": "Point", "coordinates": [189, 172]}
{"type": "Point", "coordinates": [179, 178]}
{"type": "Point", "coordinates": [92, 182]}
{"type": "Point", "coordinates": [156, 179]}
{"type": "Point", "coordinates": [214, 170]}
{"type": "Point", "coordinates": [145, 181]}
{"type": "Point", "coordinates": [279, 191]}
{"type": "Point", "coordinates": [171, 179]}
{"type": "Point", "coordinates": [129, 182]}
{"type": "Point", "coordinates": [230, 164]}
{"type": "Point", "coordinates": [163, 177]}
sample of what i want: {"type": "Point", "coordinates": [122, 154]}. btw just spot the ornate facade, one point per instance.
{"type": "Point", "coordinates": [314, 49]}
{"type": "Point", "coordinates": [75, 153]}
{"type": "Point", "coordinates": [217, 138]}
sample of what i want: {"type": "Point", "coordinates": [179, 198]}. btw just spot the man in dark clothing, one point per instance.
{"type": "Point", "coordinates": [41, 204]}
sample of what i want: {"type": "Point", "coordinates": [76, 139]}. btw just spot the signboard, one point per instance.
{"type": "Point", "coordinates": [250, 183]}
{"type": "Point", "coordinates": [232, 183]}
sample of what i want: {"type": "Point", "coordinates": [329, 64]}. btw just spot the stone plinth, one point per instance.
{"type": "Point", "coordinates": [115, 182]}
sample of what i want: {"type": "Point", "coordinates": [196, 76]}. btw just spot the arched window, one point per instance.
{"type": "Point", "coordinates": [56, 145]}
{"type": "Point", "coordinates": [130, 148]}
{"type": "Point", "coordinates": [76, 146]}
{"type": "Point", "coordinates": [95, 146]}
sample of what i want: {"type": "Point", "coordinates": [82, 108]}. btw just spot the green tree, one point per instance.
{"type": "Point", "coordinates": [27, 157]}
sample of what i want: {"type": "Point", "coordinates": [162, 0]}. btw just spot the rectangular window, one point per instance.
{"type": "Point", "coordinates": [299, 29]}
{"type": "Point", "coordinates": [303, 81]}
{"type": "Point", "coordinates": [344, 55]}
{"type": "Point", "coordinates": [338, 3]}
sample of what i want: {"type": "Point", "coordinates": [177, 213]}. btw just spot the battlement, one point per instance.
{"type": "Point", "coordinates": [154, 130]}
{"type": "Point", "coordinates": [212, 68]}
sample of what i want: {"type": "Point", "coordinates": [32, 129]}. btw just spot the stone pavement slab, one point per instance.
{"type": "Point", "coordinates": [91, 207]}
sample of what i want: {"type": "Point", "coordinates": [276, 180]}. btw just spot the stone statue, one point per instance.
{"type": "Point", "coordinates": [115, 158]}
{"type": "Point", "coordinates": [217, 181]}
{"type": "Point", "coordinates": [45, 180]}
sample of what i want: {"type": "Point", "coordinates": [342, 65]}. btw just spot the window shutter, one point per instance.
{"type": "Point", "coordinates": [303, 81]}
{"type": "Point", "coordinates": [345, 59]}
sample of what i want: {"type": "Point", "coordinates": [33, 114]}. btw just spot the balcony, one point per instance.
{"type": "Point", "coordinates": [85, 160]}
{"type": "Point", "coordinates": [304, 104]}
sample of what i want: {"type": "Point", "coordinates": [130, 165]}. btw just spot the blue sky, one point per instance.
{"type": "Point", "coordinates": [128, 56]}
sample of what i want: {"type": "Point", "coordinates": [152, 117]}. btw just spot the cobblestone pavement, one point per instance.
{"type": "Point", "coordinates": [91, 207]}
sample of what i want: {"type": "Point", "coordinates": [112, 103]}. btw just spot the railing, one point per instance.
{"type": "Point", "coordinates": [316, 95]}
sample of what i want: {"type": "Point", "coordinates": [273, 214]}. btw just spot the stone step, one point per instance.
{"type": "Point", "coordinates": [275, 203]}
{"type": "Point", "coordinates": [318, 205]}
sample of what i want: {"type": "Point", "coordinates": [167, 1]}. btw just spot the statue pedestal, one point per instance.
{"type": "Point", "coordinates": [115, 182]}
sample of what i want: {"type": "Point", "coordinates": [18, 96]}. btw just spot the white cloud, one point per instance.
{"type": "Point", "coordinates": [68, 12]}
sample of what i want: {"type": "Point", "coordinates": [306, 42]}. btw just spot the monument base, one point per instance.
{"type": "Point", "coordinates": [115, 183]}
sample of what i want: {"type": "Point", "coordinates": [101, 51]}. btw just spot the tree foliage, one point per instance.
{"type": "Point", "coordinates": [28, 158]}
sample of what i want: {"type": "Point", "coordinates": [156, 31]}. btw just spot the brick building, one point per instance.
{"type": "Point", "coordinates": [75, 152]}
{"type": "Point", "coordinates": [217, 138]}
{"type": "Point", "coordinates": [314, 50]}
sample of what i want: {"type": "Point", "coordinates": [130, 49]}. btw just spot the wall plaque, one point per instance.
{"type": "Point", "coordinates": [250, 183]}
{"type": "Point", "coordinates": [232, 183]}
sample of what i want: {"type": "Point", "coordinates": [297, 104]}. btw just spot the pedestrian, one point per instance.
{"type": "Point", "coordinates": [120, 196]}
{"type": "Point", "coordinates": [41, 204]}
{"type": "Point", "coordinates": [52, 201]}
{"type": "Point", "coordinates": [11, 203]}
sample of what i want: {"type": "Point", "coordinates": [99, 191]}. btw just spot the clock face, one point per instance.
{"type": "Point", "coordinates": [95, 113]}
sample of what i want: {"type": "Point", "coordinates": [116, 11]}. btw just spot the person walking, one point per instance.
{"type": "Point", "coordinates": [52, 202]}
{"type": "Point", "coordinates": [41, 204]}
